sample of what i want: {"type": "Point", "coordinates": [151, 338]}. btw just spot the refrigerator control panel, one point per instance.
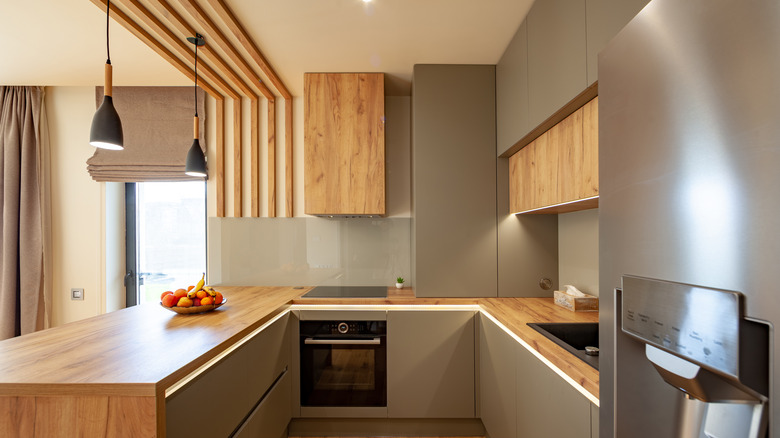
{"type": "Point", "coordinates": [696, 323]}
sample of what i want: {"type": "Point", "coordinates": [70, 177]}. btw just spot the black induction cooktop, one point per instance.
{"type": "Point", "coordinates": [347, 292]}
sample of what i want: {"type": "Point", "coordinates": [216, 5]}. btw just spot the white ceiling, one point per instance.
{"type": "Point", "coordinates": [62, 42]}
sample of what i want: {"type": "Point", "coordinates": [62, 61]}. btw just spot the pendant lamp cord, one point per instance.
{"type": "Point", "coordinates": [108, 50]}
{"type": "Point", "coordinates": [196, 77]}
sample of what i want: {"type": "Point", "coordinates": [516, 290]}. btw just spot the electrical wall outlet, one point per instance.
{"type": "Point", "coordinates": [77, 293]}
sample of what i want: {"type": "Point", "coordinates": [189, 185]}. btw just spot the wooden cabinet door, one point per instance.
{"type": "Point", "coordinates": [589, 181]}
{"type": "Point", "coordinates": [430, 364]}
{"type": "Point", "coordinates": [344, 144]}
{"type": "Point", "coordinates": [566, 137]}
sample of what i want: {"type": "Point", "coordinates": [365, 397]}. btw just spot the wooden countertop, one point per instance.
{"type": "Point", "coordinates": [142, 350]}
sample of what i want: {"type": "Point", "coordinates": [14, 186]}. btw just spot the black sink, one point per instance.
{"type": "Point", "coordinates": [573, 336]}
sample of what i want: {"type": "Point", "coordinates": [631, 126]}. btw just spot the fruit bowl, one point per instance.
{"type": "Point", "coordinates": [194, 309]}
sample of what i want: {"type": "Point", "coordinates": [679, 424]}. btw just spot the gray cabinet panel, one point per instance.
{"type": "Point", "coordinates": [430, 364]}
{"type": "Point", "coordinates": [605, 18]}
{"type": "Point", "coordinates": [512, 121]}
{"type": "Point", "coordinates": [271, 417]}
{"type": "Point", "coordinates": [547, 406]}
{"type": "Point", "coordinates": [594, 421]}
{"type": "Point", "coordinates": [556, 56]}
{"type": "Point", "coordinates": [498, 391]}
{"type": "Point", "coordinates": [454, 180]}
{"type": "Point", "coordinates": [230, 388]}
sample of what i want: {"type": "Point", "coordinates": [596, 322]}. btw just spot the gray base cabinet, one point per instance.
{"type": "Point", "coordinates": [497, 374]}
{"type": "Point", "coordinates": [218, 401]}
{"type": "Point", "coordinates": [430, 364]}
{"type": "Point", "coordinates": [271, 417]}
{"type": "Point", "coordinates": [548, 406]}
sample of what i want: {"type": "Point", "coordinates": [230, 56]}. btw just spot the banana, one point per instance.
{"type": "Point", "coordinates": [210, 290]}
{"type": "Point", "coordinates": [192, 294]}
{"type": "Point", "coordinates": [200, 284]}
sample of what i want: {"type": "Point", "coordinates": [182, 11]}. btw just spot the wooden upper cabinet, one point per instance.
{"type": "Point", "coordinates": [344, 143]}
{"type": "Point", "coordinates": [558, 172]}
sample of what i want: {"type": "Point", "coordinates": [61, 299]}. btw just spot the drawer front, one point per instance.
{"type": "Point", "coordinates": [217, 401]}
{"type": "Point", "coordinates": [271, 417]}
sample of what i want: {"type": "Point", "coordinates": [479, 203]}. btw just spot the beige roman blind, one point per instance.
{"type": "Point", "coordinates": [157, 126]}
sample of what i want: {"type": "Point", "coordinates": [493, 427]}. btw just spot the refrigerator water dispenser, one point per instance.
{"type": "Point", "coordinates": [700, 342]}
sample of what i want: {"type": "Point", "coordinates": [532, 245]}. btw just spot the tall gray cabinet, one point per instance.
{"type": "Point", "coordinates": [454, 180]}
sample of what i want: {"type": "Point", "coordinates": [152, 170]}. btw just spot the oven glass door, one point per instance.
{"type": "Point", "coordinates": [344, 371]}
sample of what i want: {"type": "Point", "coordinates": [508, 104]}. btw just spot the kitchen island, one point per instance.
{"type": "Point", "coordinates": [108, 375]}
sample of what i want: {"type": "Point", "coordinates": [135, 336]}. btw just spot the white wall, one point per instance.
{"type": "Point", "coordinates": [578, 250]}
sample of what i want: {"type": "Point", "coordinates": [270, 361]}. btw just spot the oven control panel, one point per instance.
{"type": "Point", "coordinates": [696, 323]}
{"type": "Point", "coordinates": [343, 328]}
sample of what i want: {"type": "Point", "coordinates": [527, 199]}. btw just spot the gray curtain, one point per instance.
{"type": "Point", "coordinates": [22, 304]}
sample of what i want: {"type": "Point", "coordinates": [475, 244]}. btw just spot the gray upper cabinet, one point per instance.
{"type": "Point", "coordinates": [430, 364]}
{"type": "Point", "coordinates": [556, 56]}
{"type": "Point", "coordinates": [512, 121]}
{"type": "Point", "coordinates": [498, 393]}
{"type": "Point", "coordinates": [454, 180]}
{"type": "Point", "coordinates": [605, 18]}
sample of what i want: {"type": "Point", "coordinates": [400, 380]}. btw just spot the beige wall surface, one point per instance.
{"type": "Point", "coordinates": [76, 205]}
{"type": "Point", "coordinates": [578, 250]}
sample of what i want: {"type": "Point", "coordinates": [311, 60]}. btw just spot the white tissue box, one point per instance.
{"type": "Point", "coordinates": [588, 303]}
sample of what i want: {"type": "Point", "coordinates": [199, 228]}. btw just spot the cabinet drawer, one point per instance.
{"type": "Point", "coordinates": [271, 417]}
{"type": "Point", "coordinates": [216, 402]}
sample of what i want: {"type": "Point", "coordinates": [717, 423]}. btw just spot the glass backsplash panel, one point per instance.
{"type": "Point", "coordinates": [309, 251]}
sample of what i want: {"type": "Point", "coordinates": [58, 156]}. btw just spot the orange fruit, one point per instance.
{"type": "Point", "coordinates": [180, 293]}
{"type": "Point", "coordinates": [190, 287]}
{"type": "Point", "coordinates": [206, 301]}
{"type": "Point", "coordinates": [202, 294]}
{"type": "Point", "coordinates": [184, 302]}
{"type": "Point", "coordinates": [218, 299]}
{"type": "Point", "coordinates": [169, 300]}
{"type": "Point", "coordinates": [167, 292]}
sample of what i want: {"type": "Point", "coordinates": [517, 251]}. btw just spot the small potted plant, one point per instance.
{"type": "Point", "coordinates": [399, 283]}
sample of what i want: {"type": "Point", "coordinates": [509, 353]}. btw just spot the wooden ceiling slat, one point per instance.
{"type": "Point", "coordinates": [230, 20]}
{"type": "Point", "coordinates": [126, 22]}
{"type": "Point", "coordinates": [182, 48]}
{"type": "Point", "coordinates": [216, 36]}
{"type": "Point", "coordinates": [288, 157]}
{"type": "Point", "coordinates": [164, 9]}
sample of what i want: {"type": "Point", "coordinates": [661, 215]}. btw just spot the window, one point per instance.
{"type": "Point", "coordinates": [166, 237]}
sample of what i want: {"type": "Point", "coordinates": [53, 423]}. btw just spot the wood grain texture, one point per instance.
{"type": "Point", "coordinates": [516, 313]}
{"type": "Point", "coordinates": [229, 19]}
{"type": "Point", "coordinates": [344, 144]}
{"type": "Point", "coordinates": [126, 22]}
{"type": "Point", "coordinates": [166, 12]}
{"type": "Point", "coordinates": [254, 153]}
{"type": "Point", "coordinates": [84, 416]}
{"type": "Point", "coordinates": [589, 182]}
{"type": "Point", "coordinates": [220, 158]}
{"type": "Point", "coordinates": [218, 38]}
{"type": "Point", "coordinates": [566, 137]}
{"type": "Point", "coordinates": [288, 157]}
{"type": "Point", "coordinates": [238, 199]}
{"type": "Point", "coordinates": [183, 48]}
{"type": "Point", "coordinates": [271, 159]}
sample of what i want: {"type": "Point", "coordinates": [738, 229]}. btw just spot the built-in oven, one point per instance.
{"type": "Point", "coordinates": [343, 363]}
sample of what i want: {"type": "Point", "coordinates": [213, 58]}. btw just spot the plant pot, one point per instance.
{"type": "Point", "coordinates": [399, 285]}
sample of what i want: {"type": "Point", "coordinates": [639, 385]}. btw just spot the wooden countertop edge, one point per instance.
{"type": "Point", "coordinates": [501, 309]}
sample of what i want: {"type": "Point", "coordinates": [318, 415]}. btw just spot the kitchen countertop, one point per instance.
{"type": "Point", "coordinates": [142, 350]}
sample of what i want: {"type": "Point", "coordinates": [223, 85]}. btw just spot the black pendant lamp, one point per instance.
{"type": "Point", "coordinates": [106, 129]}
{"type": "Point", "coordinates": [196, 161]}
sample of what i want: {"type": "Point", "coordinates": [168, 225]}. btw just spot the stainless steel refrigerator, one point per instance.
{"type": "Point", "coordinates": [689, 126]}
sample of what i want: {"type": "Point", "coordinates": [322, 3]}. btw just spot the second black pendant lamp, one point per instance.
{"type": "Point", "coordinates": [106, 131]}
{"type": "Point", "coordinates": [196, 161]}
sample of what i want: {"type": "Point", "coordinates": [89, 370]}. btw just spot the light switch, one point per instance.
{"type": "Point", "coordinates": [77, 294]}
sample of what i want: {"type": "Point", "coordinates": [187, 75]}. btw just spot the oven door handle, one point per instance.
{"type": "Point", "coordinates": [312, 341]}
